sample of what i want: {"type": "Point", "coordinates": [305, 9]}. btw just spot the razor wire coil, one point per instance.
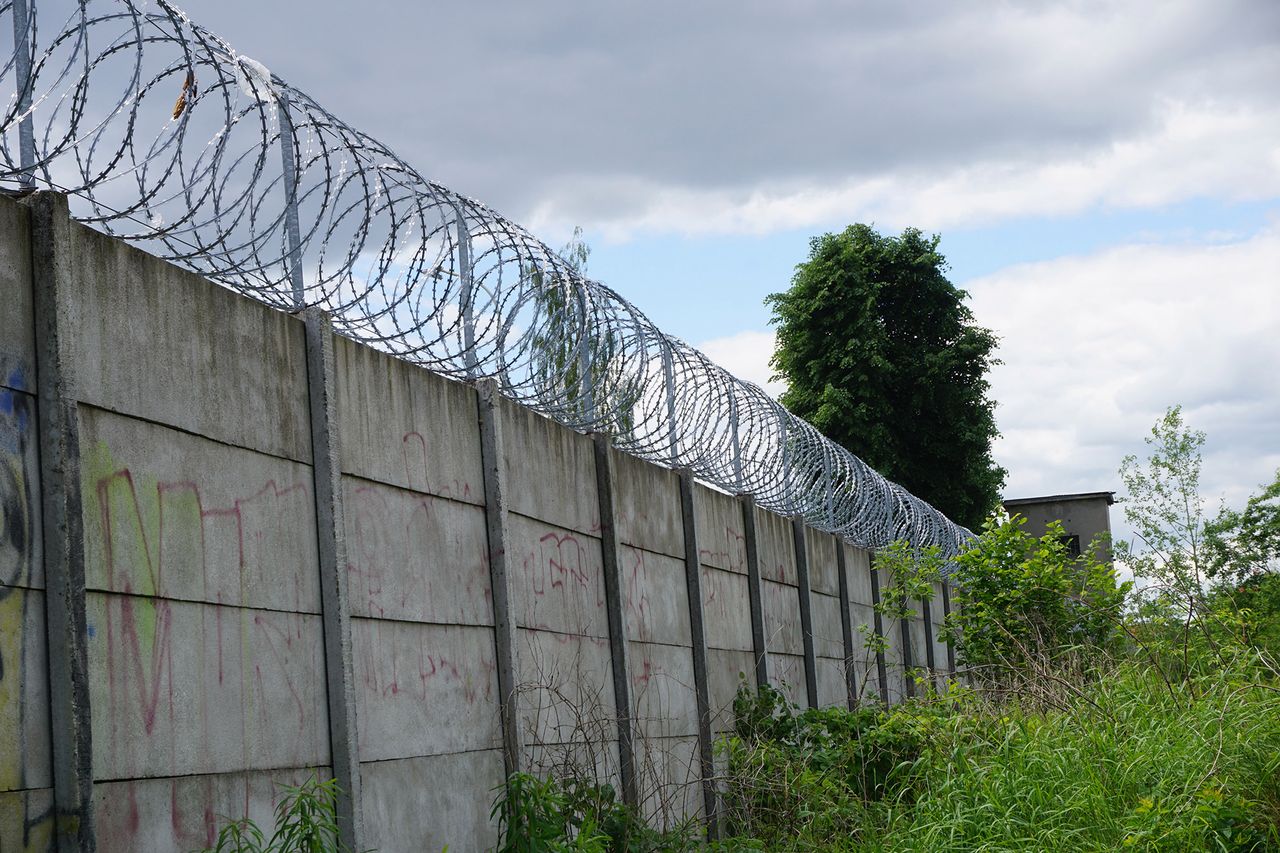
{"type": "Point", "coordinates": [166, 137]}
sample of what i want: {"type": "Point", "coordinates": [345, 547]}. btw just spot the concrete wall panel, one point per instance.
{"type": "Point", "coordinates": [415, 556]}
{"type": "Point", "coordinates": [21, 545]}
{"type": "Point", "coordinates": [405, 426]}
{"type": "Point", "coordinates": [824, 574]}
{"type": "Point", "coordinates": [669, 783]}
{"type": "Point", "coordinates": [423, 689]}
{"type": "Point", "coordinates": [647, 499]}
{"type": "Point", "coordinates": [551, 470]}
{"type": "Point", "coordinates": [786, 673]}
{"type": "Point", "coordinates": [828, 637]}
{"type": "Point", "coordinates": [152, 340]}
{"type": "Point", "coordinates": [777, 547]}
{"type": "Point", "coordinates": [17, 330]}
{"type": "Point", "coordinates": [179, 688]}
{"type": "Point", "coordinates": [656, 598]}
{"type": "Point", "coordinates": [565, 689]}
{"type": "Point", "coordinates": [428, 802]}
{"type": "Point", "coordinates": [719, 520]}
{"type": "Point", "coordinates": [727, 670]}
{"type": "Point", "coordinates": [662, 691]}
{"type": "Point", "coordinates": [24, 691]}
{"type": "Point", "coordinates": [172, 514]}
{"type": "Point", "coordinates": [857, 562]}
{"type": "Point", "coordinates": [26, 821]}
{"type": "Point", "coordinates": [726, 609]}
{"type": "Point", "coordinates": [186, 812]}
{"type": "Point", "coordinates": [558, 581]}
{"type": "Point", "coordinates": [832, 689]}
{"type": "Point", "coordinates": [782, 618]}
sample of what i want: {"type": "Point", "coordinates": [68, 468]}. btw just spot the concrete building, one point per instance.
{"type": "Point", "coordinates": [1083, 516]}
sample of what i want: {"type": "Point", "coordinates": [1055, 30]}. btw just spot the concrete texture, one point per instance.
{"type": "Point", "coordinates": [335, 602]}
{"type": "Point", "coordinates": [211, 497]}
{"type": "Point", "coordinates": [406, 427]}
{"type": "Point", "coordinates": [53, 282]}
{"type": "Point", "coordinates": [424, 689]}
{"type": "Point", "coordinates": [182, 517]}
{"type": "Point", "coordinates": [721, 539]}
{"type": "Point", "coordinates": [152, 341]}
{"type": "Point", "coordinates": [17, 327]}
{"type": "Point", "coordinates": [647, 499]}
{"type": "Point", "coordinates": [777, 548]}
{"type": "Point", "coordinates": [616, 601]}
{"type": "Point", "coordinates": [427, 802]}
{"type": "Point", "coordinates": [656, 598]}
{"type": "Point", "coordinates": [180, 688]}
{"type": "Point", "coordinates": [185, 813]}
{"type": "Point", "coordinates": [551, 473]}
{"type": "Point", "coordinates": [416, 557]}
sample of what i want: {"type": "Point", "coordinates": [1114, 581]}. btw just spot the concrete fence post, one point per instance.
{"type": "Point", "coordinates": [755, 589]}
{"type": "Point", "coordinates": [806, 611]}
{"type": "Point", "coordinates": [615, 607]}
{"type": "Point", "coordinates": [335, 603]}
{"type": "Point", "coordinates": [500, 579]}
{"type": "Point", "coordinates": [62, 527]}
{"type": "Point", "coordinates": [846, 627]}
{"type": "Point", "coordinates": [926, 612]}
{"type": "Point", "coordinates": [882, 670]}
{"type": "Point", "coordinates": [908, 659]}
{"type": "Point", "coordinates": [946, 617]}
{"type": "Point", "coordinates": [698, 643]}
{"type": "Point", "coordinates": [71, 721]}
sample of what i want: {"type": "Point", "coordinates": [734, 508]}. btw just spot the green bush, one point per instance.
{"type": "Point", "coordinates": [1024, 601]}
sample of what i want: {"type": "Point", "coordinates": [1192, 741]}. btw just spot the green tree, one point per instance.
{"type": "Point", "coordinates": [1204, 595]}
{"type": "Point", "coordinates": [881, 355]}
{"type": "Point", "coordinates": [1244, 544]}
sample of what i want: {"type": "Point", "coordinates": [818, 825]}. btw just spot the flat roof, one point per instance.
{"type": "Point", "coordinates": [1110, 498]}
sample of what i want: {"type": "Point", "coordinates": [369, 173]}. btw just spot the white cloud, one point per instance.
{"type": "Point", "coordinates": [746, 355]}
{"type": "Point", "coordinates": [1096, 347]}
{"type": "Point", "coordinates": [1193, 150]}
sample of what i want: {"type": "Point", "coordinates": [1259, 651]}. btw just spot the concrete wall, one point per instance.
{"type": "Point", "coordinates": [215, 670]}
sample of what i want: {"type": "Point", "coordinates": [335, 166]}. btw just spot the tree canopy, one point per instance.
{"type": "Point", "coordinates": [882, 356]}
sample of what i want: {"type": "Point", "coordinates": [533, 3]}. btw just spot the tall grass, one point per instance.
{"type": "Point", "coordinates": [1127, 761]}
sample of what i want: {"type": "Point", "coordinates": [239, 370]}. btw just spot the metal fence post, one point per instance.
{"type": "Point", "coordinates": [22, 71]}
{"type": "Point", "coordinates": [586, 382]}
{"type": "Point", "coordinates": [669, 383]}
{"type": "Point", "coordinates": [466, 296]}
{"type": "Point", "coordinates": [736, 442]}
{"type": "Point", "coordinates": [292, 231]}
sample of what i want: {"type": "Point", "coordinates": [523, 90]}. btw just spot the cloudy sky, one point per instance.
{"type": "Point", "coordinates": [1105, 176]}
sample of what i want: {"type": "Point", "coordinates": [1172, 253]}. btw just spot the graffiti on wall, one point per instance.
{"type": "Point", "coordinates": [198, 662]}
{"type": "Point", "coordinates": [25, 816]}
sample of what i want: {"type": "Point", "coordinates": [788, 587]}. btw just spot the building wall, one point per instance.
{"type": "Point", "coordinates": [210, 673]}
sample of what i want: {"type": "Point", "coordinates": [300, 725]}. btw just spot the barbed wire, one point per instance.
{"type": "Point", "coordinates": [165, 136]}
